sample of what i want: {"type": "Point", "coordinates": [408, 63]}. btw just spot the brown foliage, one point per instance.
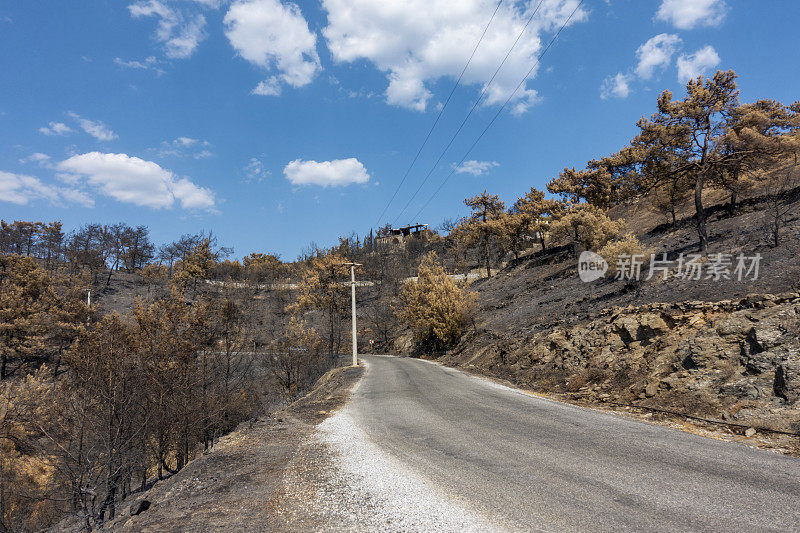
{"type": "Point", "coordinates": [321, 288]}
{"type": "Point", "coordinates": [435, 306]}
{"type": "Point", "coordinates": [586, 227]}
{"type": "Point", "coordinates": [481, 226]}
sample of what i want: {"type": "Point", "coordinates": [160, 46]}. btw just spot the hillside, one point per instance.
{"type": "Point", "coordinates": [724, 349]}
{"type": "Point", "coordinates": [239, 481]}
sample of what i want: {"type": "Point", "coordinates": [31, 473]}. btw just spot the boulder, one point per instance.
{"type": "Point", "coordinates": [734, 326]}
{"type": "Point", "coordinates": [702, 352]}
{"type": "Point", "coordinates": [763, 337]}
{"type": "Point", "coordinates": [650, 325]}
{"type": "Point", "coordinates": [640, 328]}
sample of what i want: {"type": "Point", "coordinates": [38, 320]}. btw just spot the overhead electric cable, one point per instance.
{"type": "Point", "coordinates": [466, 154]}
{"type": "Point", "coordinates": [435, 122]}
{"type": "Point", "coordinates": [474, 105]}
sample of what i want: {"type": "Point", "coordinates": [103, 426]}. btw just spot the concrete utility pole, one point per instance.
{"type": "Point", "coordinates": [353, 308]}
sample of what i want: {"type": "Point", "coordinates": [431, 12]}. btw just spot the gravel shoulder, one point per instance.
{"type": "Point", "coordinates": [340, 480]}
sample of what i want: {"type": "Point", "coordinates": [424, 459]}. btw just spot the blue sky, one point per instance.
{"type": "Point", "coordinates": [277, 123]}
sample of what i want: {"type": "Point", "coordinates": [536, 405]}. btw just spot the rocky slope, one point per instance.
{"type": "Point", "coordinates": [736, 360]}
{"type": "Point", "coordinates": [726, 350]}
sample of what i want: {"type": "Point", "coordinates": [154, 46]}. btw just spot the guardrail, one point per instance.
{"type": "Point", "coordinates": [472, 276]}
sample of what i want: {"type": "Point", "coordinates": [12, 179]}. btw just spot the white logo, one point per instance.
{"type": "Point", "coordinates": [591, 266]}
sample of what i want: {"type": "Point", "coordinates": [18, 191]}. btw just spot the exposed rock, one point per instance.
{"type": "Point", "coordinates": [735, 325]}
{"type": "Point", "coordinates": [786, 384]}
{"type": "Point", "coordinates": [741, 390]}
{"type": "Point", "coordinates": [140, 507]}
{"type": "Point", "coordinates": [758, 362]}
{"type": "Point", "coordinates": [738, 359]}
{"type": "Point", "coordinates": [750, 432]}
{"type": "Point", "coordinates": [763, 337]}
{"type": "Point", "coordinates": [703, 351]}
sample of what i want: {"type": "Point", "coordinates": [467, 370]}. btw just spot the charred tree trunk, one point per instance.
{"type": "Point", "coordinates": [700, 214]}
{"type": "Point", "coordinates": [734, 201]}
{"type": "Point", "coordinates": [487, 256]}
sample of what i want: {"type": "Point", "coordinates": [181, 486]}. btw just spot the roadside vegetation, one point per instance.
{"type": "Point", "coordinates": [437, 308]}
{"type": "Point", "coordinates": [182, 342]}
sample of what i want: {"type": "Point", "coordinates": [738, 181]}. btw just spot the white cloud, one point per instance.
{"type": "Point", "coordinates": [255, 171]}
{"type": "Point", "coordinates": [336, 173]}
{"type": "Point", "coordinates": [36, 157]}
{"type": "Point", "coordinates": [56, 128]}
{"type": "Point", "coordinates": [687, 14]}
{"type": "Point", "coordinates": [656, 53]}
{"type": "Point", "coordinates": [269, 87]}
{"type": "Point", "coordinates": [133, 180]}
{"type": "Point", "coordinates": [185, 141]}
{"type": "Point", "coordinates": [476, 168]}
{"type": "Point", "coordinates": [274, 36]}
{"type": "Point", "coordinates": [21, 189]}
{"type": "Point", "coordinates": [697, 64]}
{"type": "Point", "coordinates": [184, 147]}
{"type": "Point", "coordinates": [179, 32]}
{"type": "Point", "coordinates": [149, 63]}
{"type": "Point", "coordinates": [95, 128]}
{"type": "Point", "coordinates": [416, 42]}
{"type": "Point", "coordinates": [617, 86]}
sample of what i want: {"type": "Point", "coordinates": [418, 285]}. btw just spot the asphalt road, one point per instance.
{"type": "Point", "coordinates": [531, 464]}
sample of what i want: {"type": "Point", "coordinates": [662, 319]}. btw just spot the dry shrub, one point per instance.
{"type": "Point", "coordinates": [587, 226]}
{"type": "Point", "coordinates": [624, 247]}
{"type": "Point", "coordinates": [577, 381]}
{"type": "Point", "coordinates": [595, 374]}
{"type": "Point", "coordinates": [435, 307]}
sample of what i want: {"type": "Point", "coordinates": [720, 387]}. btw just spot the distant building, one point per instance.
{"type": "Point", "coordinates": [399, 236]}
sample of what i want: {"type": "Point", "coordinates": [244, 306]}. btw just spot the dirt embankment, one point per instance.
{"type": "Point", "coordinates": [234, 487]}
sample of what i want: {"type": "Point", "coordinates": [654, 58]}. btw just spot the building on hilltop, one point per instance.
{"type": "Point", "coordinates": [399, 236]}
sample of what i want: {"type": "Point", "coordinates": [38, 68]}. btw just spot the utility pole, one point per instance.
{"type": "Point", "coordinates": [353, 308]}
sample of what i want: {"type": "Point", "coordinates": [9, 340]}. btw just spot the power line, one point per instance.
{"type": "Point", "coordinates": [435, 122]}
{"type": "Point", "coordinates": [474, 105]}
{"type": "Point", "coordinates": [466, 154]}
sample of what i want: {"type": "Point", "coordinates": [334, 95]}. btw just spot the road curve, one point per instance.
{"type": "Point", "coordinates": [534, 464]}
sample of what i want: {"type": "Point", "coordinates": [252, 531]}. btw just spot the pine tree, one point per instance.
{"type": "Point", "coordinates": [481, 225]}
{"type": "Point", "coordinates": [321, 288]}
{"type": "Point", "coordinates": [541, 212]}
{"type": "Point", "coordinates": [688, 133]}
{"type": "Point", "coordinates": [586, 227]}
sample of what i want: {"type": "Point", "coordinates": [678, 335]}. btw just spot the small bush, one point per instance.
{"type": "Point", "coordinates": [622, 248]}
{"type": "Point", "coordinates": [435, 307]}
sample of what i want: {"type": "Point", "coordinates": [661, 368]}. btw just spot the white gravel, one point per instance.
{"type": "Point", "coordinates": [366, 489]}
